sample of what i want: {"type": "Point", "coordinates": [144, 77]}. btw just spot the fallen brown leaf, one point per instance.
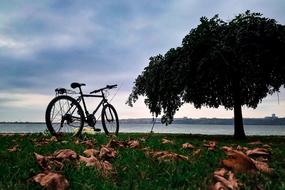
{"type": "Point", "coordinates": [241, 148]}
{"type": "Point", "coordinates": [41, 143]}
{"type": "Point", "coordinates": [258, 152]}
{"type": "Point", "coordinates": [221, 172]}
{"type": "Point", "coordinates": [227, 183]}
{"type": "Point", "coordinates": [227, 148]}
{"type": "Point", "coordinates": [114, 143]}
{"type": "Point", "coordinates": [133, 143]}
{"type": "Point", "coordinates": [107, 153]}
{"type": "Point", "coordinates": [187, 146]}
{"type": "Point", "coordinates": [261, 159]}
{"type": "Point", "coordinates": [233, 182]}
{"type": "Point", "coordinates": [44, 141]}
{"type": "Point", "coordinates": [65, 154]}
{"type": "Point", "coordinates": [13, 149]}
{"type": "Point", "coordinates": [197, 152]}
{"type": "Point", "coordinates": [225, 180]}
{"type": "Point", "coordinates": [51, 181]}
{"type": "Point", "coordinates": [53, 139]}
{"type": "Point", "coordinates": [255, 143]}
{"type": "Point", "coordinates": [88, 143]}
{"type": "Point", "coordinates": [262, 166]}
{"type": "Point", "coordinates": [104, 166]}
{"type": "Point", "coordinates": [89, 161]}
{"type": "Point", "coordinates": [91, 152]}
{"type": "Point", "coordinates": [166, 155]}
{"type": "Point", "coordinates": [218, 186]}
{"type": "Point", "coordinates": [238, 161]}
{"type": "Point", "coordinates": [166, 141]}
{"type": "Point", "coordinates": [43, 161]}
{"type": "Point", "coordinates": [211, 145]}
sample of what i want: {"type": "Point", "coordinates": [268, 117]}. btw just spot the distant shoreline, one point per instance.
{"type": "Point", "coordinates": [206, 121]}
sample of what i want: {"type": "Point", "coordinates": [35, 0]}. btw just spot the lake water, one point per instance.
{"type": "Point", "coordinates": [159, 128]}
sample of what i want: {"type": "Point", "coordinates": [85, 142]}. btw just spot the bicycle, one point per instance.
{"type": "Point", "coordinates": [64, 114]}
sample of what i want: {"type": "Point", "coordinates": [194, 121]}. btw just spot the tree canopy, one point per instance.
{"type": "Point", "coordinates": [219, 63]}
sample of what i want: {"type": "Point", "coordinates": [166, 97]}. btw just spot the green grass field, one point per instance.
{"type": "Point", "coordinates": [133, 168]}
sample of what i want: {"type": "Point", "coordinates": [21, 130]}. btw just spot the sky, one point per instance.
{"type": "Point", "coordinates": [51, 43]}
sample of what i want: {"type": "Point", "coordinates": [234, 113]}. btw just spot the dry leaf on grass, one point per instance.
{"type": "Point", "coordinates": [211, 145]}
{"type": "Point", "coordinates": [241, 162]}
{"type": "Point", "coordinates": [43, 161]}
{"type": "Point", "coordinates": [51, 181]}
{"type": "Point", "coordinates": [91, 152]}
{"type": "Point", "coordinates": [89, 161]}
{"type": "Point", "coordinates": [42, 142]}
{"type": "Point", "coordinates": [218, 186]}
{"type": "Point", "coordinates": [224, 179]}
{"type": "Point", "coordinates": [55, 160]}
{"type": "Point", "coordinates": [258, 152]}
{"type": "Point", "coordinates": [261, 159]}
{"type": "Point", "coordinates": [133, 143]}
{"type": "Point", "coordinates": [88, 143]}
{"type": "Point", "coordinates": [122, 144]}
{"type": "Point", "coordinates": [187, 146]}
{"type": "Point", "coordinates": [64, 154]}
{"type": "Point", "coordinates": [241, 148]}
{"type": "Point", "coordinates": [166, 155]}
{"type": "Point", "coordinates": [114, 143]}
{"type": "Point", "coordinates": [107, 153]}
{"type": "Point", "coordinates": [197, 152]}
{"type": "Point", "coordinates": [229, 181]}
{"type": "Point", "coordinates": [104, 166]}
{"type": "Point", "coordinates": [256, 143]}
{"type": "Point", "coordinates": [227, 148]}
{"type": "Point", "coordinates": [262, 166]}
{"type": "Point", "coordinates": [238, 161]}
{"type": "Point", "coordinates": [221, 172]}
{"type": "Point", "coordinates": [166, 141]}
{"type": "Point", "coordinates": [13, 149]}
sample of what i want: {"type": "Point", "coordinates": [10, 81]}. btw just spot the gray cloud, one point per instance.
{"type": "Point", "coordinates": [46, 44]}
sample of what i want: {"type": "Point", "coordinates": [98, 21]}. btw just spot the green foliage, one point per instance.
{"type": "Point", "coordinates": [220, 63]}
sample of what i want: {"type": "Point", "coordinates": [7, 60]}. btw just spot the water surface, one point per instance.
{"type": "Point", "coordinates": [159, 128]}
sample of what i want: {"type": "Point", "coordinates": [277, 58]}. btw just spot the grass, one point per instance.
{"type": "Point", "coordinates": [133, 168]}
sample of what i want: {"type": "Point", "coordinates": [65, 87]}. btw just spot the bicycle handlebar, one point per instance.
{"type": "Point", "coordinates": [107, 87]}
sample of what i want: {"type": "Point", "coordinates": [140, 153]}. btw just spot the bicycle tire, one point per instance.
{"type": "Point", "coordinates": [110, 120]}
{"type": "Point", "coordinates": [60, 121]}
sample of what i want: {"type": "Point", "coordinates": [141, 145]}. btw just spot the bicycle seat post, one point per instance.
{"type": "Point", "coordinates": [83, 101]}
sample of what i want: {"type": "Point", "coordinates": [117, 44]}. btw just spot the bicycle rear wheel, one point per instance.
{"type": "Point", "coordinates": [64, 115]}
{"type": "Point", "coordinates": [110, 120]}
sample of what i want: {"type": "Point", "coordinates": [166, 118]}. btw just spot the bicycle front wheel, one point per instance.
{"type": "Point", "coordinates": [64, 115]}
{"type": "Point", "coordinates": [110, 120]}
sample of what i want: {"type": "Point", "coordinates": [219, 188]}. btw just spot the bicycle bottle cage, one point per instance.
{"type": "Point", "coordinates": [60, 91]}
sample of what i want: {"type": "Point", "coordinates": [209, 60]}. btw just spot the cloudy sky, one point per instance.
{"type": "Point", "coordinates": [51, 43]}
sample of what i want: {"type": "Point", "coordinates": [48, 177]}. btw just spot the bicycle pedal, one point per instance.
{"type": "Point", "coordinates": [97, 130]}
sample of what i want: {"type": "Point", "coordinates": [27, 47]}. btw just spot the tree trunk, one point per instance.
{"type": "Point", "coordinates": [239, 130]}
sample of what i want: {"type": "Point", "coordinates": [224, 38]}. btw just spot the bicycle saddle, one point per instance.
{"type": "Point", "coordinates": [76, 85]}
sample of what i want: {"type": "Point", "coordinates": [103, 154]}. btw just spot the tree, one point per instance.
{"type": "Point", "coordinates": [230, 64]}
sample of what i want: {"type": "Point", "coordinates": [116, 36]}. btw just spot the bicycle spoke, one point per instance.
{"type": "Point", "coordinates": [110, 120]}
{"type": "Point", "coordinates": [64, 116]}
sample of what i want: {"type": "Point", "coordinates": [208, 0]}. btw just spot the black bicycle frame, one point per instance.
{"type": "Point", "coordinates": [81, 97]}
